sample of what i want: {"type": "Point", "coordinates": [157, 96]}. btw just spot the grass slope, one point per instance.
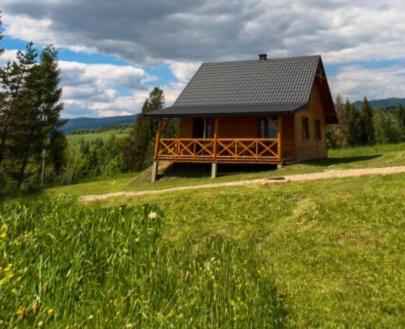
{"type": "Point", "coordinates": [184, 175]}
{"type": "Point", "coordinates": [335, 249]}
{"type": "Point", "coordinates": [325, 254]}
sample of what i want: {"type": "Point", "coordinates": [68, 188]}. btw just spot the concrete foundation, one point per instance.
{"type": "Point", "coordinates": [155, 168]}
{"type": "Point", "coordinates": [214, 170]}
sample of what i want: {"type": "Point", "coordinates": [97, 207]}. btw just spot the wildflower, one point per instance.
{"type": "Point", "coordinates": [35, 308]}
{"type": "Point", "coordinates": [45, 289]}
{"type": "Point", "coordinates": [91, 316]}
{"type": "Point", "coordinates": [152, 216]}
{"type": "Point", "coordinates": [21, 313]}
{"type": "Point", "coordinates": [50, 312]}
{"type": "Point", "coordinates": [40, 323]}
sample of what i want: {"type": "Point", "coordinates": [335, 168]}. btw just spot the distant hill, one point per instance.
{"type": "Point", "coordinates": [75, 124]}
{"type": "Point", "coordinates": [384, 103]}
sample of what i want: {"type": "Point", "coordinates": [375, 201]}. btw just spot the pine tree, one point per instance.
{"type": "Point", "coordinates": [353, 124]}
{"type": "Point", "coordinates": [36, 114]}
{"type": "Point", "coordinates": [367, 124]}
{"type": "Point", "coordinates": [139, 146]}
{"type": "Point", "coordinates": [338, 133]}
{"type": "Point", "coordinates": [401, 115]}
{"type": "Point", "coordinates": [12, 82]}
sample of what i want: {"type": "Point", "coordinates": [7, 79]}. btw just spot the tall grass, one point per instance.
{"type": "Point", "coordinates": [68, 266]}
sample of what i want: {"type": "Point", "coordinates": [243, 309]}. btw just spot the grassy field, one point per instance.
{"type": "Point", "coordinates": [184, 175]}
{"type": "Point", "coordinates": [320, 254]}
{"type": "Point", "coordinates": [326, 254]}
{"type": "Point", "coordinates": [74, 139]}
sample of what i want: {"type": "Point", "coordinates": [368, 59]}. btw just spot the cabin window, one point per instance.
{"type": "Point", "coordinates": [318, 132]}
{"type": "Point", "coordinates": [267, 128]}
{"type": "Point", "coordinates": [305, 129]}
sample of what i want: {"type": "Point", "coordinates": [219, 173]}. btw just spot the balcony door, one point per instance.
{"type": "Point", "coordinates": [202, 128]}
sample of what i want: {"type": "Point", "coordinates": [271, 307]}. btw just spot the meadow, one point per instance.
{"type": "Point", "coordinates": [103, 134]}
{"type": "Point", "coordinates": [321, 254]}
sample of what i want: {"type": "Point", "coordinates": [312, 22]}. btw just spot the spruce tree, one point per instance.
{"type": "Point", "coordinates": [35, 113]}
{"type": "Point", "coordinates": [139, 146]}
{"type": "Point", "coordinates": [14, 92]}
{"type": "Point", "coordinates": [401, 115]}
{"type": "Point", "coordinates": [367, 124]}
{"type": "Point", "coordinates": [353, 124]}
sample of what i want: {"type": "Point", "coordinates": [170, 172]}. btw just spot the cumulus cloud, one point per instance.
{"type": "Point", "coordinates": [94, 89]}
{"type": "Point", "coordinates": [147, 31]}
{"type": "Point", "coordinates": [181, 34]}
{"type": "Point", "coordinates": [352, 81]}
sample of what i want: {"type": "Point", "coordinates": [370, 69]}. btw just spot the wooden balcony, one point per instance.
{"type": "Point", "coordinates": [219, 150]}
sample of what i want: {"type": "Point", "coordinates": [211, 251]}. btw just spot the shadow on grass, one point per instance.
{"type": "Point", "coordinates": [201, 170]}
{"type": "Point", "coordinates": [343, 160]}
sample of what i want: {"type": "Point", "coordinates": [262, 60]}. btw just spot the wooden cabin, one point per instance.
{"type": "Point", "coordinates": [264, 111]}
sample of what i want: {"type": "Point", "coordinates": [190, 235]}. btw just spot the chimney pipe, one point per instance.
{"type": "Point", "coordinates": [263, 57]}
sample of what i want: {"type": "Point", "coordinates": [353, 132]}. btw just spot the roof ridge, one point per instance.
{"type": "Point", "coordinates": [264, 61]}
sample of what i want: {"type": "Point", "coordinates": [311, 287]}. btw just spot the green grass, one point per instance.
{"type": "Point", "coordinates": [333, 248]}
{"type": "Point", "coordinates": [185, 175]}
{"type": "Point", "coordinates": [66, 266]}
{"type": "Point", "coordinates": [74, 139]}
{"type": "Point", "coordinates": [325, 254]}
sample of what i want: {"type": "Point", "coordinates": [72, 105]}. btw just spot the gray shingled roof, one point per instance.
{"type": "Point", "coordinates": [281, 85]}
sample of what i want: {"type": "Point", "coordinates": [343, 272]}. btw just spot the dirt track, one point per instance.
{"type": "Point", "coordinates": [328, 174]}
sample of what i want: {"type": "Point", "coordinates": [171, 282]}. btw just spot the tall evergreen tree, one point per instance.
{"type": "Point", "coordinates": [12, 82]}
{"type": "Point", "coordinates": [139, 146]}
{"type": "Point", "coordinates": [339, 131]}
{"type": "Point", "coordinates": [367, 124]}
{"type": "Point", "coordinates": [40, 116]}
{"type": "Point", "coordinates": [353, 124]}
{"type": "Point", "coordinates": [32, 111]}
{"type": "Point", "coordinates": [401, 115]}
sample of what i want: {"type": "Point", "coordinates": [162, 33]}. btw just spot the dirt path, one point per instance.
{"type": "Point", "coordinates": [328, 174]}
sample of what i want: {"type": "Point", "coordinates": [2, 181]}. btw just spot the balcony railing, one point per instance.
{"type": "Point", "coordinates": [218, 150]}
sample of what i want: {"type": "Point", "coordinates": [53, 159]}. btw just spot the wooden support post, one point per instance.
{"type": "Point", "coordinates": [216, 123]}
{"type": "Point", "coordinates": [280, 138]}
{"type": "Point", "coordinates": [214, 170]}
{"type": "Point", "coordinates": [157, 142]}
{"type": "Point", "coordinates": [155, 168]}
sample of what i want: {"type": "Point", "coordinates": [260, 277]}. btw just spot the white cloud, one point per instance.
{"type": "Point", "coordinates": [182, 34]}
{"type": "Point", "coordinates": [354, 82]}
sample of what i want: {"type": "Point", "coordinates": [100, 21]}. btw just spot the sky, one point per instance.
{"type": "Point", "coordinates": [112, 53]}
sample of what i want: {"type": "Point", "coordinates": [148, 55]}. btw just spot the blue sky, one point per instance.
{"type": "Point", "coordinates": [109, 68]}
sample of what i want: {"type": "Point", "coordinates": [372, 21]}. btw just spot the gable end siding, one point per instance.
{"type": "Point", "coordinates": [311, 148]}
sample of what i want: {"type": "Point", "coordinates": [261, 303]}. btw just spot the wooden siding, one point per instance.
{"type": "Point", "coordinates": [311, 148]}
{"type": "Point", "coordinates": [288, 142]}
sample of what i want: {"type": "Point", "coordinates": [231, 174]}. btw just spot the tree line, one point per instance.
{"type": "Point", "coordinates": [366, 126]}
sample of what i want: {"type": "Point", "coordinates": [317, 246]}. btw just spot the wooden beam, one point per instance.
{"type": "Point", "coordinates": [280, 137]}
{"type": "Point", "coordinates": [216, 124]}
{"type": "Point", "coordinates": [157, 142]}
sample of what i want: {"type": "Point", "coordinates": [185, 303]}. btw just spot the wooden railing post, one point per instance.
{"type": "Point", "coordinates": [157, 142]}
{"type": "Point", "coordinates": [279, 137]}
{"type": "Point", "coordinates": [216, 123]}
